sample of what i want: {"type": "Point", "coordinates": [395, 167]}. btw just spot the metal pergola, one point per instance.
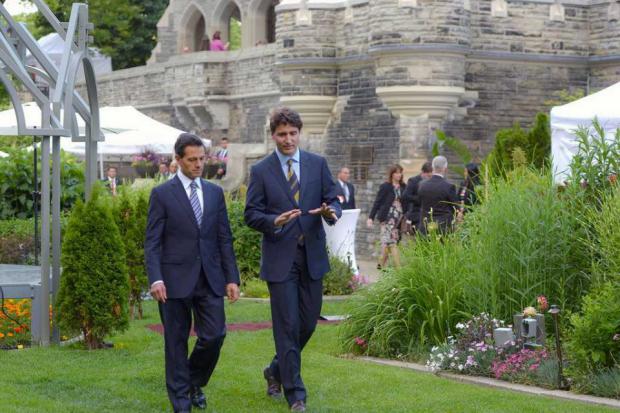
{"type": "Point", "coordinates": [59, 110]}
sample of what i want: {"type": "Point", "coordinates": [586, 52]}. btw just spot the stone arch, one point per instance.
{"type": "Point", "coordinates": [261, 21]}
{"type": "Point", "coordinates": [223, 12]}
{"type": "Point", "coordinates": [193, 30]}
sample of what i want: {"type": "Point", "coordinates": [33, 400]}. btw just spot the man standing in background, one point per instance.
{"type": "Point", "coordinates": [346, 190]}
{"type": "Point", "coordinates": [412, 201]}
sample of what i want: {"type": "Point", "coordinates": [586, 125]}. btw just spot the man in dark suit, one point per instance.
{"type": "Point", "coordinates": [346, 190]}
{"type": "Point", "coordinates": [191, 265]}
{"type": "Point", "coordinates": [111, 182]}
{"type": "Point", "coordinates": [289, 194]}
{"type": "Point", "coordinates": [410, 197]}
{"type": "Point", "coordinates": [438, 199]}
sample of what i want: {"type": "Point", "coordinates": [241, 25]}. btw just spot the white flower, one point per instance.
{"type": "Point", "coordinates": [460, 367]}
{"type": "Point", "coordinates": [460, 326]}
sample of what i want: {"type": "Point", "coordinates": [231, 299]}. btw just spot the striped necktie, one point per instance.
{"type": "Point", "coordinates": [193, 199]}
{"type": "Point", "coordinates": [293, 182]}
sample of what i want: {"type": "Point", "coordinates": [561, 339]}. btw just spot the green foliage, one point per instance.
{"type": "Point", "coordinates": [16, 249]}
{"type": "Point", "coordinates": [564, 96]}
{"type": "Point", "coordinates": [522, 242]}
{"type": "Point", "coordinates": [235, 34]}
{"type": "Point", "coordinates": [604, 383]}
{"type": "Point", "coordinates": [16, 226]}
{"type": "Point", "coordinates": [130, 210]}
{"type": "Point", "coordinates": [125, 30]}
{"type": "Point", "coordinates": [94, 284]}
{"type": "Point", "coordinates": [338, 281]}
{"type": "Point", "coordinates": [255, 287]}
{"type": "Point", "coordinates": [455, 145]}
{"type": "Point", "coordinates": [16, 182]}
{"type": "Point", "coordinates": [535, 144]}
{"type": "Point", "coordinates": [415, 305]}
{"type": "Point", "coordinates": [246, 241]}
{"type": "Point", "coordinates": [594, 342]}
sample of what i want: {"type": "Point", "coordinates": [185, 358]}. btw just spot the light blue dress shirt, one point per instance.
{"type": "Point", "coordinates": [283, 163]}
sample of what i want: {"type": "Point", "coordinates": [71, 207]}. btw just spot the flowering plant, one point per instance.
{"type": "Point", "coordinates": [517, 366]}
{"type": "Point", "coordinates": [543, 304]}
{"type": "Point", "coordinates": [148, 157]}
{"type": "Point", "coordinates": [15, 329]}
{"type": "Point", "coordinates": [529, 312]}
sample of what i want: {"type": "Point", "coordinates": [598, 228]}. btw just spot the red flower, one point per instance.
{"type": "Point", "coordinates": [543, 304]}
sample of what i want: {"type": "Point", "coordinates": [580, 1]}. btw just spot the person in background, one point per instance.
{"type": "Point", "coordinates": [438, 199]}
{"type": "Point", "coordinates": [410, 197]}
{"type": "Point", "coordinates": [164, 172]}
{"type": "Point", "coordinates": [467, 191]}
{"type": "Point", "coordinates": [111, 181]}
{"type": "Point", "coordinates": [388, 210]}
{"type": "Point", "coordinates": [222, 157]}
{"type": "Point", "coordinates": [346, 190]}
{"type": "Point", "coordinates": [216, 44]}
{"type": "Point", "coordinates": [172, 168]}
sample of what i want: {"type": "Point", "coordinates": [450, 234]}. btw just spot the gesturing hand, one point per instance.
{"type": "Point", "coordinates": [286, 217]}
{"type": "Point", "coordinates": [232, 292]}
{"type": "Point", "coordinates": [325, 212]}
{"type": "Point", "coordinates": [158, 291]}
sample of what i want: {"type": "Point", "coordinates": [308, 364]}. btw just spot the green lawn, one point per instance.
{"type": "Point", "coordinates": [130, 378]}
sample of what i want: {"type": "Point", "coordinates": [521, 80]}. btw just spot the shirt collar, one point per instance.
{"type": "Point", "coordinates": [283, 158]}
{"type": "Point", "coordinates": [185, 180]}
{"type": "Point", "coordinates": [440, 175]}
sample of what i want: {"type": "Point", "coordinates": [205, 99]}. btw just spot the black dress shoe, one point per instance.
{"type": "Point", "coordinates": [298, 406]}
{"type": "Point", "coordinates": [199, 399]}
{"type": "Point", "coordinates": [274, 387]}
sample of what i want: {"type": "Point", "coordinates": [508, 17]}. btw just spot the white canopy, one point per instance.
{"type": "Point", "coordinates": [53, 46]}
{"type": "Point", "coordinates": [127, 130]}
{"type": "Point", "coordinates": [566, 119]}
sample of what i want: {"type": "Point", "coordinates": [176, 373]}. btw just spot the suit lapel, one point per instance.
{"type": "Point", "coordinates": [304, 171]}
{"type": "Point", "coordinates": [205, 206]}
{"type": "Point", "coordinates": [181, 196]}
{"type": "Point", "coordinates": [276, 170]}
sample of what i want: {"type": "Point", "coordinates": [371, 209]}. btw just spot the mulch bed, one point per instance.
{"type": "Point", "coordinates": [264, 325]}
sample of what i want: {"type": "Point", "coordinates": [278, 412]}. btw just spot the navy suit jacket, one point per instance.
{"type": "Point", "coordinates": [269, 195]}
{"type": "Point", "coordinates": [176, 249]}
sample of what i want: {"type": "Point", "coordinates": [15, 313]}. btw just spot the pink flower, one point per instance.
{"type": "Point", "coordinates": [543, 304]}
{"type": "Point", "coordinates": [360, 342]}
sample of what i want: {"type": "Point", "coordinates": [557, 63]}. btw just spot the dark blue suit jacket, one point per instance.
{"type": "Point", "coordinates": [176, 249]}
{"type": "Point", "coordinates": [269, 196]}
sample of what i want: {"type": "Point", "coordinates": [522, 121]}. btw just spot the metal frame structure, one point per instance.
{"type": "Point", "coordinates": [59, 110]}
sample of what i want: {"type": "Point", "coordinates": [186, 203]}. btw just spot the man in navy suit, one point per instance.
{"type": "Point", "coordinates": [191, 265]}
{"type": "Point", "coordinates": [290, 193]}
{"type": "Point", "coordinates": [346, 190]}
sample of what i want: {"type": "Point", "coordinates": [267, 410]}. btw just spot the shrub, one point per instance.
{"type": "Point", "coordinates": [94, 287]}
{"type": "Point", "coordinates": [17, 249]}
{"type": "Point", "coordinates": [16, 183]}
{"type": "Point", "coordinates": [604, 383]}
{"type": "Point", "coordinates": [130, 212]}
{"type": "Point", "coordinates": [410, 307]}
{"type": "Point", "coordinates": [339, 279]}
{"type": "Point", "coordinates": [255, 287]}
{"type": "Point", "coordinates": [15, 226]}
{"type": "Point", "coordinates": [246, 241]}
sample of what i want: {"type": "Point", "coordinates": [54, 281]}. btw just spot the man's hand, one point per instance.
{"type": "Point", "coordinates": [287, 217]}
{"type": "Point", "coordinates": [232, 292]}
{"type": "Point", "coordinates": [369, 222]}
{"type": "Point", "coordinates": [325, 212]}
{"type": "Point", "coordinates": [158, 291]}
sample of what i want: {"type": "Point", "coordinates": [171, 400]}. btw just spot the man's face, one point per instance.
{"type": "Point", "coordinates": [112, 173]}
{"type": "Point", "coordinates": [344, 175]}
{"type": "Point", "coordinates": [163, 168]}
{"type": "Point", "coordinates": [286, 138]}
{"type": "Point", "coordinates": [224, 144]}
{"type": "Point", "coordinates": [193, 161]}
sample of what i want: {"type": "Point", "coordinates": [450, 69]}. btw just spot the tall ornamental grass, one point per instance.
{"type": "Point", "coordinates": [411, 307]}
{"type": "Point", "coordinates": [521, 242]}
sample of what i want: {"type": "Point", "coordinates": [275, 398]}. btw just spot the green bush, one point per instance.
{"type": "Point", "coordinates": [604, 383]}
{"type": "Point", "coordinates": [16, 183]}
{"type": "Point", "coordinates": [256, 288]}
{"type": "Point", "coordinates": [94, 286]}
{"type": "Point", "coordinates": [130, 211]}
{"type": "Point", "coordinates": [17, 226]}
{"type": "Point", "coordinates": [534, 146]}
{"type": "Point", "coordinates": [16, 249]}
{"type": "Point", "coordinates": [246, 241]}
{"type": "Point", "coordinates": [339, 279]}
{"type": "Point", "coordinates": [410, 307]}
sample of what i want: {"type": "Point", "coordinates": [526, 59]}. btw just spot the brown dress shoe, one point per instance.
{"type": "Point", "coordinates": [298, 406]}
{"type": "Point", "coordinates": [274, 387]}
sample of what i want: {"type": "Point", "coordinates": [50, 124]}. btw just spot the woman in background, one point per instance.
{"type": "Point", "coordinates": [467, 191]}
{"type": "Point", "coordinates": [388, 210]}
{"type": "Point", "coordinates": [216, 44]}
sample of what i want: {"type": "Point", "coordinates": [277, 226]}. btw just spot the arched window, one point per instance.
{"type": "Point", "coordinates": [227, 19]}
{"type": "Point", "coordinates": [193, 34]}
{"type": "Point", "coordinates": [263, 15]}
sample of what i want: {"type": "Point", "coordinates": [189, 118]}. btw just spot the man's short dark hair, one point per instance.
{"type": "Point", "coordinates": [112, 167]}
{"type": "Point", "coordinates": [224, 139]}
{"type": "Point", "coordinates": [284, 116]}
{"type": "Point", "coordinates": [427, 168]}
{"type": "Point", "coordinates": [186, 139]}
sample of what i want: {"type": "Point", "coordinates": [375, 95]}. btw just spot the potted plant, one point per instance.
{"type": "Point", "coordinates": [146, 164]}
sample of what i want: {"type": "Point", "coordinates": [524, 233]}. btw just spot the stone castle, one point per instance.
{"type": "Point", "coordinates": [372, 79]}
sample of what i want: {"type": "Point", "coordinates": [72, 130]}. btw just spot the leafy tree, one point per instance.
{"type": "Point", "coordinates": [125, 30]}
{"type": "Point", "coordinates": [235, 34]}
{"type": "Point", "coordinates": [94, 287]}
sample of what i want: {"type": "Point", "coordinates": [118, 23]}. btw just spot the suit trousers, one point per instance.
{"type": "Point", "coordinates": [295, 309]}
{"type": "Point", "coordinates": [210, 328]}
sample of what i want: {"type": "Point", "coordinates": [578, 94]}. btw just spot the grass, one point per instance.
{"type": "Point", "coordinates": [130, 377]}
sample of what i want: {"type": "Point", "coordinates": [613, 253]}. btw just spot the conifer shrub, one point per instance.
{"type": "Point", "coordinates": [92, 299]}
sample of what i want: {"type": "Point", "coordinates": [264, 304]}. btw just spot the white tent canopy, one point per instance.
{"type": "Point", "coordinates": [566, 119]}
{"type": "Point", "coordinates": [127, 131]}
{"type": "Point", "coordinates": [53, 46]}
